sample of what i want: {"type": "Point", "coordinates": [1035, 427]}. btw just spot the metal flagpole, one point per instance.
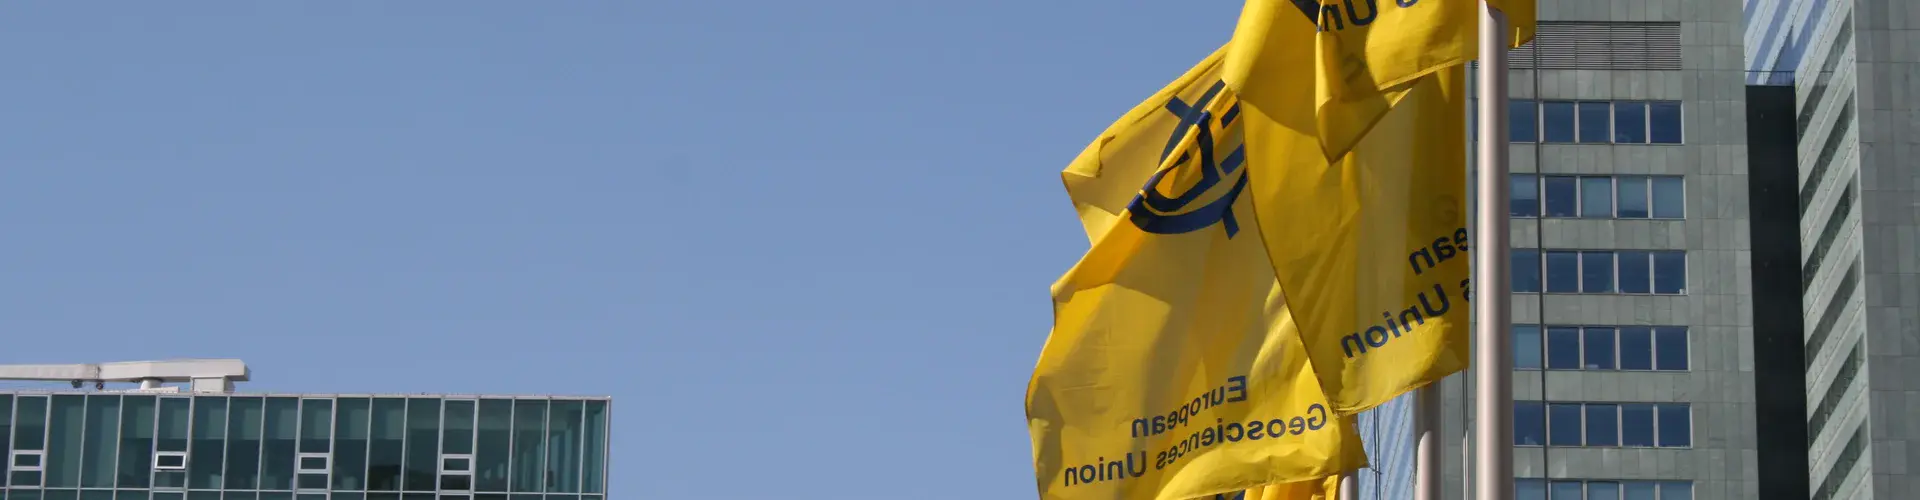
{"type": "Point", "coordinates": [1349, 485]}
{"type": "Point", "coordinates": [1493, 345]}
{"type": "Point", "coordinates": [1426, 435]}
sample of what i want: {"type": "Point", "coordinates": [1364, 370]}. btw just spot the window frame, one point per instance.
{"type": "Point", "coordinates": [1653, 271]}
{"type": "Point", "coordinates": [1539, 121]}
{"type": "Point", "coordinates": [1541, 196]}
{"type": "Point", "coordinates": [1619, 424]}
{"type": "Point", "coordinates": [1542, 331]}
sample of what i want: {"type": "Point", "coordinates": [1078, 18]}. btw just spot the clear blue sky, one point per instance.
{"type": "Point", "coordinates": [805, 245]}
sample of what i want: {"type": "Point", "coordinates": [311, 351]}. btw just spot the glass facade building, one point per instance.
{"type": "Point", "coordinates": [180, 446]}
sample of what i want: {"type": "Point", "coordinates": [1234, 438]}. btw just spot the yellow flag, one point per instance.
{"type": "Point", "coordinates": [1355, 58]}
{"type": "Point", "coordinates": [1318, 489]}
{"type": "Point", "coordinates": [1173, 370]}
{"type": "Point", "coordinates": [1372, 249]}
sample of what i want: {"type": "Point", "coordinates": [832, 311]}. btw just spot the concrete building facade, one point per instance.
{"type": "Point", "coordinates": [1633, 307]}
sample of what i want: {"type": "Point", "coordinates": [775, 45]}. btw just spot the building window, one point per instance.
{"type": "Point", "coordinates": [1526, 347]}
{"type": "Point", "coordinates": [1600, 271]}
{"type": "Point", "coordinates": [1529, 423]}
{"type": "Point", "coordinates": [1598, 196]}
{"type": "Point", "coordinates": [1630, 122]}
{"type": "Point", "coordinates": [1525, 200]}
{"type": "Point", "coordinates": [1663, 119]}
{"type": "Point", "coordinates": [1523, 124]}
{"type": "Point", "coordinates": [1557, 120]}
{"type": "Point", "coordinates": [1595, 122]}
{"type": "Point", "coordinates": [1601, 489]}
{"type": "Point", "coordinates": [1526, 271]}
{"type": "Point", "coordinates": [1562, 196]}
{"type": "Point", "coordinates": [1603, 425]}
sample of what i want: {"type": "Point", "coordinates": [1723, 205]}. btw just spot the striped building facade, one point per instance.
{"type": "Point", "coordinates": [1849, 75]}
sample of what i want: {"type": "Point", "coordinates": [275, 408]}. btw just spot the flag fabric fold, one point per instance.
{"type": "Point", "coordinates": [1174, 370]}
{"type": "Point", "coordinates": [1353, 59]}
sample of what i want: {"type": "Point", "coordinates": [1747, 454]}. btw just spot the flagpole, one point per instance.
{"type": "Point", "coordinates": [1349, 486]}
{"type": "Point", "coordinates": [1426, 435]}
{"type": "Point", "coordinates": [1493, 344]}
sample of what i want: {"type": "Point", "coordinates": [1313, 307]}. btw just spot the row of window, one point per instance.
{"type": "Point", "coordinates": [1603, 425]}
{"type": "Point", "coordinates": [1595, 122]}
{"type": "Point", "coordinates": [1599, 196]}
{"type": "Point", "coordinates": [1600, 348]}
{"type": "Point", "coordinates": [303, 444]}
{"type": "Point", "coordinates": [1658, 272]}
{"type": "Point", "coordinates": [1567, 489]}
{"type": "Point", "coordinates": [61, 494]}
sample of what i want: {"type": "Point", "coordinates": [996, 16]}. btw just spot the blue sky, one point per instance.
{"type": "Point", "coordinates": [805, 245]}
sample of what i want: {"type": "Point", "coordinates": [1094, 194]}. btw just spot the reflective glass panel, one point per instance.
{"type": "Point", "coordinates": [1671, 345]}
{"type": "Point", "coordinates": [1565, 490]}
{"type": "Point", "coordinates": [1523, 124]}
{"type": "Point", "coordinates": [1638, 490]}
{"type": "Point", "coordinates": [1630, 122]}
{"type": "Point", "coordinates": [1598, 349]}
{"type": "Point", "coordinates": [529, 444]}
{"type": "Point", "coordinates": [1526, 347]}
{"type": "Point", "coordinates": [6, 436]}
{"type": "Point", "coordinates": [1557, 120]}
{"type": "Point", "coordinates": [1676, 425]}
{"type": "Point", "coordinates": [103, 442]}
{"type": "Point", "coordinates": [1603, 425]}
{"type": "Point", "coordinates": [1563, 424]}
{"type": "Point", "coordinates": [1526, 271]}
{"type": "Point", "coordinates": [596, 443]}
{"type": "Point", "coordinates": [1596, 197]}
{"type": "Point", "coordinates": [1563, 348]}
{"type": "Point", "coordinates": [350, 431]}
{"type": "Point", "coordinates": [63, 445]}
{"type": "Point", "coordinates": [1525, 200]}
{"type": "Point", "coordinates": [1664, 122]}
{"type": "Point", "coordinates": [1670, 272]}
{"type": "Point", "coordinates": [1636, 348]}
{"type": "Point", "coordinates": [457, 428]}
{"type": "Point", "coordinates": [1603, 490]}
{"type": "Point", "coordinates": [1563, 271]}
{"type": "Point", "coordinates": [282, 434]}
{"type": "Point", "coordinates": [209, 442]}
{"type": "Point", "coordinates": [1636, 275]}
{"type": "Point", "coordinates": [386, 447]}
{"type": "Point", "coordinates": [1676, 490]}
{"type": "Point", "coordinates": [563, 446]}
{"type": "Point", "coordinates": [1596, 272]}
{"type": "Point", "coordinates": [1529, 423]}
{"type": "Point", "coordinates": [1596, 119]}
{"type": "Point", "coordinates": [1669, 198]}
{"type": "Point", "coordinates": [316, 425]}
{"type": "Point", "coordinates": [423, 444]}
{"type": "Point", "coordinates": [244, 432]}
{"type": "Point", "coordinates": [30, 423]}
{"type": "Point", "coordinates": [496, 445]}
{"type": "Point", "coordinates": [1562, 194]}
{"type": "Point", "coordinates": [1636, 425]}
{"type": "Point", "coordinates": [1632, 193]}
{"type": "Point", "coordinates": [136, 441]}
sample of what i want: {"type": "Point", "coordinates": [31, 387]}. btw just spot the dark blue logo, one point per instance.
{"type": "Point", "coordinates": [1159, 213]}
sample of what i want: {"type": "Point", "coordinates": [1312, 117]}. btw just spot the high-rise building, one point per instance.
{"type": "Point", "coordinates": [1838, 83]}
{"type": "Point", "coordinates": [1632, 305]}
{"type": "Point", "coordinates": [205, 441]}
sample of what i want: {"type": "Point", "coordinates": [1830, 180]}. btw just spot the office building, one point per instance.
{"type": "Point", "coordinates": [205, 441]}
{"type": "Point", "coordinates": [1632, 305]}
{"type": "Point", "coordinates": [1840, 83]}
